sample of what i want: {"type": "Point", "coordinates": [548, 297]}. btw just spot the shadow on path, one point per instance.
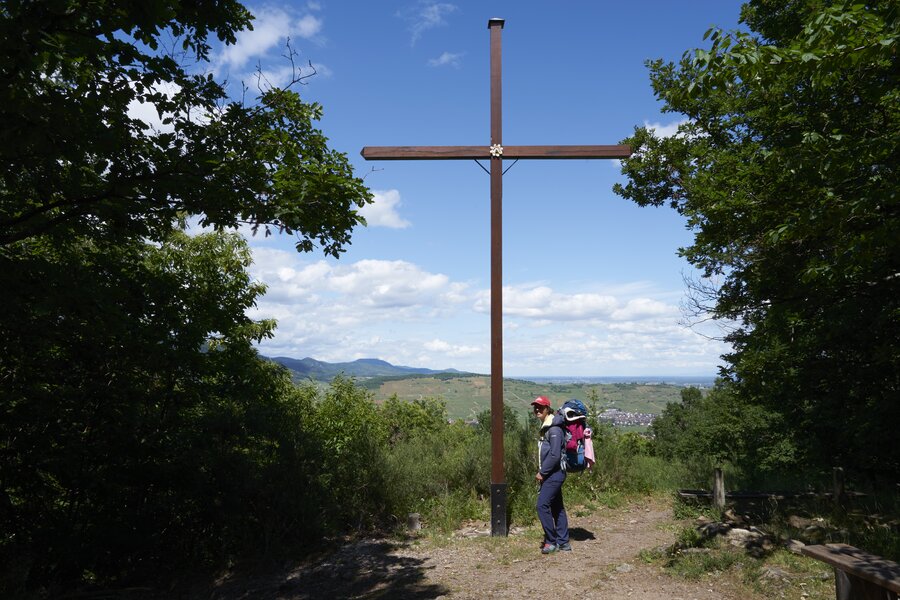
{"type": "Point", "coordinates": [364, 569]}
{"type": "Point", "coordinates": [580, 534]}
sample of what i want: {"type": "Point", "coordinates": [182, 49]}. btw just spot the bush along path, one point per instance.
{"type": "Point", "coordinates": [638, 550]}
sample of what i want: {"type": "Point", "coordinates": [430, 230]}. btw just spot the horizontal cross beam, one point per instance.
{"type": "Point", "coordinates": [477, 152]}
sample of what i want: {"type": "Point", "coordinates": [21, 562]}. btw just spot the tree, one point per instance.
{"type": "Point", "coordinates": [140, 432]}
{"type": "Point", "coordinates": [419, 417]}
{"type": "Point", "coordinates": [787, 170]}
{"type": "Point", "coordinates": [511, 419]}
{"type": "Point", "coordinates": [138, 426]}
{"type": "Point", "coordinates": [76, 163]}
{"type": "Point", "coordinates": [719, 428]}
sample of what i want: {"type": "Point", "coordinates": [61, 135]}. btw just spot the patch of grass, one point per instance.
{"type": "Point", "coordinates": [533, 533]}
{"type": "Point", "coordinates": [437, 539]}
{"type": "Point", "coordinates": [651, 556]}
{"type": "Point", "coordinates": [789, 575]}
{"type": "Point", "coordinates": [881, 539]}
{"type": "Point", "coordinates": [610, 499]}
{"type": "Point", "coordinates": [513, 551]}
{"type": "Point", "coordinates": [797, 564]}
{"type": "Point", "coordinates": [685, 508]}
{"type": "Point", "coordinates": [503, 550]}
{"type": "Point", "coordinates": [696, 565]}
{"type": "Point", "coordinates": [445, 512]}
{"type": "Point", "coordinates": [652, 473]}
{"type": "Point", "coordinates": [690, 537]}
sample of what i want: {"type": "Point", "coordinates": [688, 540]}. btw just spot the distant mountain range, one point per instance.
{"type": "Point", "coordinates": [364, 367]}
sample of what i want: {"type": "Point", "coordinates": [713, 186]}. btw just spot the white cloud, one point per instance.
{"type": "Point", "coordinates": [446, 59]}
{"type": "Point", "coordinates": [388, 284]}
{"type": "Point", "coordinates": [425, 15]}
{"type": "Point", "coordinates": [271, 28]}
{"type": "Point", "coordinates": [643, 308]}
{"type": "Point", "coordinates": [437, 346]}
{"type": "Point", "coordinates": [148, 113]}
{"type": "Point", "coordinates": [193, 226]}
{"type": "Point", "coordinates": [405, 314]}
{"type": "Point", "coordinates": [443, 348]}
{"type": "Point", "coordinates": [667, 130]}
{"type": "Point", "coordinates": [308, 26]}
{"type": "Point", "coordinates": [371, 284]}
{"type": "Point", "coordinates": [541, 303]}
{"type": "Point", "coordinates": [661, 349]}
{"type": "Point", "coordinates": [383, 211]}
{"type": "Point", "coordinates": [322, 70]}
{"type": "Point", "coordinates": [282, 76]}
{"type": "Point", "coordinates": [376, 308]}
{"type": "Point", "coordinates": [275, 78]}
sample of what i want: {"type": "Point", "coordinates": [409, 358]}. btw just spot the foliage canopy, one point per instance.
{"type": "Point", "coordinates": [75, 161]}
{"type": "Point", "coordinates": [787, 170]}
{"type": "Point", "coordinates": [140, 432]}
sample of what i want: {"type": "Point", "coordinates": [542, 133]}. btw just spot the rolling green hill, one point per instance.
{"type": "Point", "coordinates": [467, 395]}
{"type": "Point", "coordinates": [310, 368]}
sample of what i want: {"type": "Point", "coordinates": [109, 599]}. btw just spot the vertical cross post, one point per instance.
{"type": "Point", "coordinates": [498, 481]}
{"type": "Point", "coordinates": [495, 153]}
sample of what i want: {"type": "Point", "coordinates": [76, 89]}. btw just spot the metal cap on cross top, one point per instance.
{"type": "Point", "coordinates": [495, 152]}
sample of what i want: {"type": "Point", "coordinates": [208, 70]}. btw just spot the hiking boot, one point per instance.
{"type": "Point", "coordinates": [549, 549]}
{"type": "Point", "coordinates": [567, 547]}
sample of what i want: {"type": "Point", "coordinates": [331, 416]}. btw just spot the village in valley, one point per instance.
{"type": "Point", "coordinates": [621, 418]}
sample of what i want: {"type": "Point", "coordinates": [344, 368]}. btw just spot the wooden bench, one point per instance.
{"type": "Point", "coordinates": [858, 575]}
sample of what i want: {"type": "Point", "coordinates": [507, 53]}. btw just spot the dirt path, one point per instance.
{"type": "Point", "coordinates": [605, 563]}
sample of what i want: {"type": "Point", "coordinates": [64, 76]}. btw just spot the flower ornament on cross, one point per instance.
{"type": "Point", "coordinates": [496, 151]}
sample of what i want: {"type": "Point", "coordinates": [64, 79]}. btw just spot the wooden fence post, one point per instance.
{"type": "Point", "coordinates": [412, 522]}
{"type": "Point", "coordinates": [840, 492]}
{"type": "Point", "coordinates": [718, 491]}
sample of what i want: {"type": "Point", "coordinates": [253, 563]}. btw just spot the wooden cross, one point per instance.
{"type": "Point", "coordinates": [496, 152]}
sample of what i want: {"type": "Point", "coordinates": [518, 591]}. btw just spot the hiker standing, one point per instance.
{"type": "Point", "coordinates": [551, 477]}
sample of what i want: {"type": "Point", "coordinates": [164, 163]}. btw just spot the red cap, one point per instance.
{"type": "Point", "coordinates": [541, 401]}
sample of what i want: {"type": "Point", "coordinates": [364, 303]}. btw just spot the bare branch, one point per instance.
{"type": "Point", "coordinates": [372, 170]}
{"type": "Point", "coordinates": [699, 304]}
{"type": "Point", "coordinates": [297, 75]}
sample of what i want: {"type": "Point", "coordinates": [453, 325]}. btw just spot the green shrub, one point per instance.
{"type": "Point", "coordinates": [423, 470]}
{"type": "Point", "coordinates": [422, 416]}
{"type": "Point", "coordinates": [353, 437]}
{"type": "Point", "coordinates": [624, 467]}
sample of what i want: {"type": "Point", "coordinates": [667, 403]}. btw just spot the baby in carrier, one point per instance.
{"type": "Point", "coordinates": [579, 450]}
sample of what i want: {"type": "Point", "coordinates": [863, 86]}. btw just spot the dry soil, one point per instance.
{"type": "Point", "coordinates": [605, 563]}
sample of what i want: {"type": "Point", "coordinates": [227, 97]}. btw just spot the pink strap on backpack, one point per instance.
{"type": "Point", "coordinates": [589, 448]}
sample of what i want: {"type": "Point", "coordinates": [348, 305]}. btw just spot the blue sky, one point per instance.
{"type": "Point", "coordinates": [592, 282]}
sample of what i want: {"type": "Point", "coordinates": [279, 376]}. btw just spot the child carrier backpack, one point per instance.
{"type": "Point", "coordinates": [575, 414]}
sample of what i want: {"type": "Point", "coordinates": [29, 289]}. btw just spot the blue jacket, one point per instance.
{"type": "Point", "coordinates": [553, 438]}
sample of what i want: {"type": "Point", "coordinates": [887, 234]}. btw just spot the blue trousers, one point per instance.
{"type": "Point", "coordinates": [551, 511]}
